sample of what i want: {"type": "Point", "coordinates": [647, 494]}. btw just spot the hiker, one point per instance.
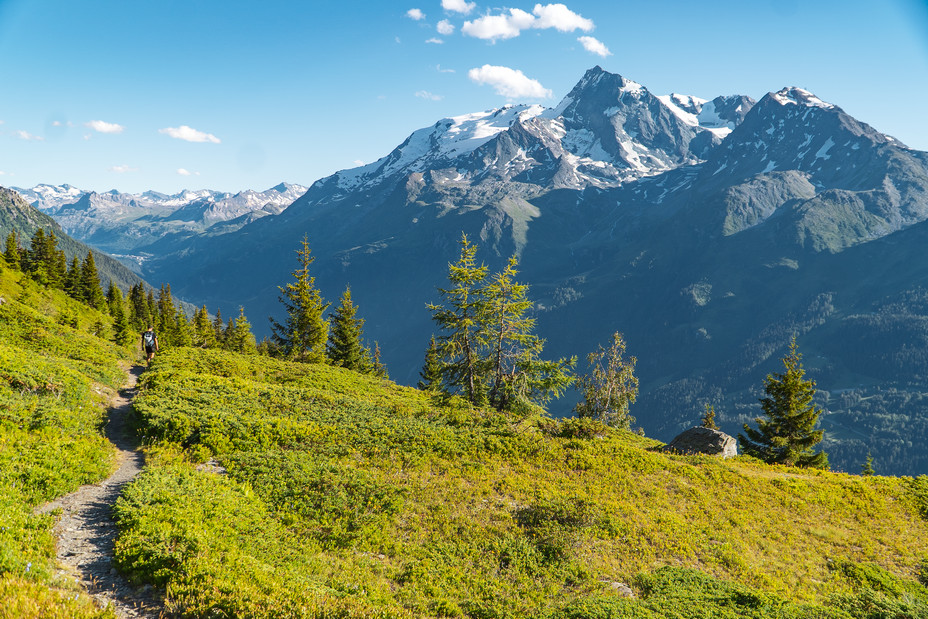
{"type": "Point", "coordinates": [150, 342]}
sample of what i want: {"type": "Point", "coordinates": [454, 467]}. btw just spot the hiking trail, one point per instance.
{"type": "Point", "coordinates": [86, 533]}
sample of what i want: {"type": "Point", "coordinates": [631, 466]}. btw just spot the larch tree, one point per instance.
{"type": "Point", "coordinates": [786, 434]}
{"type": "Point", "coordinates": [240, 338]}
{"type": "Point", "coordinates": [516, 374]}
{"type": "Point", "coordinates": [303, 335]}
{"type": "Point", "coordinates": [204, 336]}
{"type": "Point", "coordinates": [460, 317]}
{"type": "Point", "coordinates": [610, 386]}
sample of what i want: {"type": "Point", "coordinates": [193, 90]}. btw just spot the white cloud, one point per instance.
{"type": "Point", "coordinates": [445, 27]}
{"type": "Point", "coordinates": [458, 6]}
{"type": "Point", "coordinates": [434, 40]}
{"type": "Point", "coordinates": [184, 172]}
{"type": "Point", "coordinates": [503, 26]}
{"type": "Point", "coordinates": [415, 14]}
{"type": "Point", "coordinates": [425, 94]}
{"type": "Point", "coordinates": [440, 70]}
{"type": "Point", "coordinates": [559, 17]}
{"type": "Point", "coordinates": [101, 126]}
{"type": "Point", "coordinates": [493, 27]}
{"type": "Point", "coordinates": [25, 135]}
{"type": "Point", "coordinates": [189, 134]}
{"type": "Point", "coordinates": [594, 46]}
{"type": "Point", "coordinates": [509, 83]}
{"type": "Point", "coordinates": [358, 162]}
{"type": "Point", "coordinates": [122, 169]}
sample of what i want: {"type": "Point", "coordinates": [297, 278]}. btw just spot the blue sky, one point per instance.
{"type": "Point", "coordinates": [238, 95]}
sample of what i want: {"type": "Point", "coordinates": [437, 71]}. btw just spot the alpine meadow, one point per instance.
{"type": "Point", "coordinates": [593, 353]}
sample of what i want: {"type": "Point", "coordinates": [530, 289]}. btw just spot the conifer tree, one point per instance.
{"type": "Point", "coordinates": [460, 317]}
{"type": "Point", "coordinates": [41, 259]}
{"type": "Point", "coordinates": [203, 334]}
{"type": "Point", "coordinates": [787, 435]}
{"type": "Point", "coordinates": [139, 313]}
{"type": "Point", "coordinates": [610, 386]}
{"type": "Point", "coordinates": [11, 252]}
{"type": "Point", "coordinates": [708, 418]}
{"type": "Point", "coordinates": [241, 339]}
{"type": "Point", "coordinates": [431, 370]}
{"type": "Point", "coordinates": [867, 469]}
{"type": "Point", "coordinates": [92, 292]}
{"type": "Point", "coordinates": [378, 369]}
{"type": "Point", "coordinates": [345, 348]}
{"type": "Point", "coordinates": [166, 318]}
{"type": "Point", "coordinates": [515, 369]}
{"type": "Point", "coordinates": [219, 329]}
{"type": "Point", "coordinates": [72, 280]}
{"type": "Point", "coordinates": [303, 335]}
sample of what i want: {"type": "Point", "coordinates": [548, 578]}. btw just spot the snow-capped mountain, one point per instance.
{"type": "Point", "coordinates": [122, 223]}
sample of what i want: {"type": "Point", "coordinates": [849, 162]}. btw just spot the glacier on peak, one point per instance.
{"type": "Point", "coordinates": [792, 95]}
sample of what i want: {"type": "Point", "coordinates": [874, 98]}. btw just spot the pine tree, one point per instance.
{"type": "Point", "coordinates": [345, 347]}
{"type": "Point", "coordinates": [139, 313]}
{"type": "Point", "coordinates": [460, 317]}
{"type": "Point", "coordinates": [378, 369]}
{"type": "Point", "coordinates": [303, 335]}
{"type": "Point", "coordinates": [241, 339]}
{"type": "Point", "coordinates": [610, 386]}
{"type": "Point", "coordinates": [92, 293]}
{"type": "Point", "coordinates": [431, 369]}
{"type": "Point", "coordinates": [166, 318]}
{"type": "Point", "coordinates": [787, 435]}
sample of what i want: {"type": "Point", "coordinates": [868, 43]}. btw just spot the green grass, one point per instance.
{"type": "Point", "coordinates": [54, 383]}
{"type": "Point", "coordinates": [346, 495]}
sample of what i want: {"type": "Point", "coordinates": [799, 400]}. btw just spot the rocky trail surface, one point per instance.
{"type": "Point", "coordinates": [86, 532]}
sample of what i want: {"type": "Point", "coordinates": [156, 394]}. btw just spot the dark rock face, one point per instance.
{"type": "Point", "coordinates": [699, 440]}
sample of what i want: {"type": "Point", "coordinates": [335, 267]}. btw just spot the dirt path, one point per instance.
{"type": "Point", "coordinates": [86, 532]}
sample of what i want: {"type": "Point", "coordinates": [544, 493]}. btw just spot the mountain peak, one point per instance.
{"type": "Point", "coordinates": [792, 95]}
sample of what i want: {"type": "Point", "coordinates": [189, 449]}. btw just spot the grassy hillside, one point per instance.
{"type": "Point", "coordinates": [283, 490]}
{"type": "Point", "coordinates": [54, 383]}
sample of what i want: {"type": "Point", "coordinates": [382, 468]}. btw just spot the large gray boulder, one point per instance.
{"type": "Point", "coordinates": [699, 440]}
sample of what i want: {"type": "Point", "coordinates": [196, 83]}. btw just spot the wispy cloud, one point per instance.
{"type": "Point", "coordinates": [25, 135]}
{"type": "Point", "coordinates": [122, 169]}
{"type": "Point", "coordinates": [543, 16]}
{"type": "Point", "coordinates": [510, 83]}
{"type": "Point", "coordinates": [184, 172]}
{"type": "Point", "coordinates": [434, 40]}
{"type": "Point", "coordinates": [415, 14]}
{"type": "Point", "coordinates": [425, 94]}
{"type": "Point", "coordinates": [189, 134]}
{"type": "Point", "coordinates": [458, 6]}
{"type": "Point", "coordinates": [445, 27]}
{"type": "Point", "coordinates": [101, 126]}
{"type": "Point", "coordinates": [594, 46]}
{"type": "Point", "coordinates": [440, 70]}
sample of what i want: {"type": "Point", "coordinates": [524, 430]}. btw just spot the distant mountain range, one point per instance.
{"type": "Point", "coordinates": [709, 232]}
{"type": "Point", "coordinates": [127, 225]}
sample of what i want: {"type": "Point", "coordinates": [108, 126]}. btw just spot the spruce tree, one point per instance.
{"type": "Point", "coordinates": [11, 252]}
{"type": "Point", "coordinates": [92, 293]}
{"type": "Point", "coordinates": [345, 347]}
{"type": "Point", "coordinates": [72, 280]}
{"type": "Point", "coordinates": [219, 329]}
{"type": "Point", "coordinates": [303, 335]}
{"type": "Point", "coordinates": [460, 317]}
{"type": "Point", "coordinates": [610, 386]}
{"type": "Point", "coordinates": [867, 469]}
{"type": "Point", "coordinates": [378, 368]}
{"type": "Point", "coordinates": [204, 336]}
{"type": "Point", "coordinates": [240, 338]}
{"type": "Point", "coordinates": [787, 435]}
{"type": "Point", "coordinates": [431, 370]}
{"type": "Point", "coordinates": [166, 318]}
